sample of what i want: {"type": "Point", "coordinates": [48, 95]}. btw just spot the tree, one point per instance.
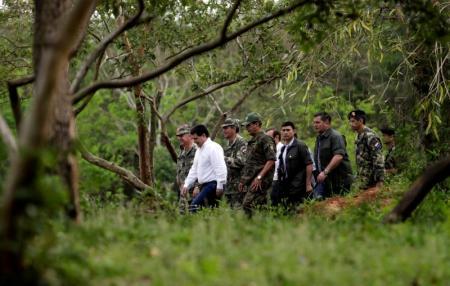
{"type": "Point", "coordinates": [49, 124]}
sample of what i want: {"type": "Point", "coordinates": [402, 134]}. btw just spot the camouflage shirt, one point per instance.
{"type": "Point", "coordinates": [184, 163]}
{"type": "Point", "coordinates": [234, 158]}
{"type": "Point", "coordinates": [389, 161]}
{"type": "Point", "coordinates": [369, 158]}
{"type": "Point", "coordinates": [260, 149]}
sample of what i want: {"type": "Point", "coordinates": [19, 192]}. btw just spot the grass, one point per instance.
{"type": "Point", "coordinates": [128, 245]}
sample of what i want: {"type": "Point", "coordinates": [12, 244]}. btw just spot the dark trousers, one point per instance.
{"type": "Point", "coordinates": [283, 196]}
{"type": "Point", "coordinates": [275, 195]}
{"type": "Point", "coordinates": [327, 189]}
{"type": "Point", "coordinates": [206, 197]}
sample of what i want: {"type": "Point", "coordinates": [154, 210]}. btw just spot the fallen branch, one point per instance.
{"type": "Point", "coordinates": [123, 173]}
{"type": "Point", "coordinates": [433, 175]}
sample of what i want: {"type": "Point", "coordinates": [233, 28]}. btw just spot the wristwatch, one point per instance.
{"type": "Point", "coordinates": [326, 172]}
{"type": "Point", "coordinates": [259, 177]}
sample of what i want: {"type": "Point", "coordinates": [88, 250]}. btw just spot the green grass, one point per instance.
{"type": "Point", "coordinates": [119, 245]}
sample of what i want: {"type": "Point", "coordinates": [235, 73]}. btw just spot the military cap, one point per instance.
{"type": "Point", "coordinates": [357, 114]}
{"type": "Point", "coordinates": [230, 122]}
{"type": "Point", "coordinates": [388, 131]}
{"type": "Point", "coordinates": [251, 117]}
{"type": "Point", "coordinates": [183, 129]}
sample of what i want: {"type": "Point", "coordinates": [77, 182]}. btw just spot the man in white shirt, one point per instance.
{"type": "Point", "coordinates": [209, 169]}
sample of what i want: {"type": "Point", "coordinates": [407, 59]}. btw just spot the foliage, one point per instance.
{"type": "Point", "coordinates": [222, 247]}
{"type": "Point", "coordinates": [390, 59]}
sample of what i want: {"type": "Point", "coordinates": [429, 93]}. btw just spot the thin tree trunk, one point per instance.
{"type": "Point", "coordinates": [144, 152]}
{"type": "Point", "coordinates": [152, 138]}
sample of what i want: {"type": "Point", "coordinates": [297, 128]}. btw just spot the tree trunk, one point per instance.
{"type": "Point", "coordinates": [48, 123]}
{"type": "Point", "coordinates": [62, 130]}
{"type": "Point", "coordinates": [152, 138]}
{"type": "Point", "coordinates": [144, 156]}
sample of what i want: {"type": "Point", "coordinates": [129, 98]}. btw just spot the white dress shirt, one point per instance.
{"type": "Point", "coordinates": [277, 162]}
{"type": "Point", "coordinates": [209, 165]}
{"type": "Point", "coordinates": [286, 149]}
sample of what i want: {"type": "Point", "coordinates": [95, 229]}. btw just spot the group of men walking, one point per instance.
{"type": "Point", "coordinates": [276, 166]}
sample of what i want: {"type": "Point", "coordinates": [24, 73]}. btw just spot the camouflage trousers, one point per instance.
{"type": "Point", "coordinates": [185, 201]}
{"type": "Point", "coordinates": [235, 199]}
{"type": "Point", "coordinates": [254, 200]}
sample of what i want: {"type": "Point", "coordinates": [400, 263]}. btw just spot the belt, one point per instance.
{"type": "Point", "coordinates": [204, 184]}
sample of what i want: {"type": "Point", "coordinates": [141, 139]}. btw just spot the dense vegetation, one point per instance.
{"type": "Point", "coordinates": [131, 245]}
{"type": "Point", "coordinates": [390, 59]}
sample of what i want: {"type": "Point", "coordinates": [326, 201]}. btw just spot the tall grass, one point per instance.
{"type": "Point", "coordinates": [129, 245]}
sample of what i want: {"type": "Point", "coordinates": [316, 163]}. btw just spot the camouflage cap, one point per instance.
{"type": "Point", "coordinates": [183, 129]}
{"type": "Point", "coordinates": [251, 117]}
{"type": "Point", "coordinates": [230, 122]}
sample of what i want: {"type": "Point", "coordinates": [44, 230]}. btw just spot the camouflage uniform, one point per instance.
{"type": "Point", "coordinates": [260, 149]}
{"type": "Point", "coordinates": [369, 158]}
{"type": "Point", "coordinates": [389, 161]}
{"type": "Point", "coordinates": [184, 163]}
{"type": "Point", "coordinates": [235, 159]}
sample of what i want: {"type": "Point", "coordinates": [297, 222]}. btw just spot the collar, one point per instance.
{"type": "Point", "coordinates": [291, 142]}
{"type": "Point", "coordinates": [326, 133]}
{"type": "Point", "coordinates": [234, 141]}
{"type": "Point", "coordinates": [257, 135]}
{"type": "Point", "coordinates": [207, 142]}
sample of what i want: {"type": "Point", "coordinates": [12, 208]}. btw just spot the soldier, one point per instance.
{"type": "Point", "coordinates": [334, 172]}
{"type": "Point", "coordinates": [234, 158]}
{"type": "Point", "coordinates": [390, 164]}
{"type": "Point", "coordinates": [258, 171]}
{"type": "Point", "coordinates": [369, 156]}
{"type": "Point", "coordinates": [184, 163]}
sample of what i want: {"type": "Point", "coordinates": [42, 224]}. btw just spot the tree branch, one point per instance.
{"type": "Point", "coordinates": [226, 24]}
{"type": "Point", "coordinates": [238, 104]}
{"type": "Point", "coordinates": [14, 96]}
{"type": "Point", "coordinates": [123, 173]}
{"type": "Point", "coordinates": [246, 95]}
{"type": "Point", "coordinates": [207, 91]}
{"type": "Point", "coordinates": [175, 61]}
{"type": "Point", "coordinates": [88, 99]}
{"type": "Point", "coordinates": [216, 104]}
{"type": "Point", "coordinates": [134, 21]}
{"type": "Point", "coordinates": [218, 125]}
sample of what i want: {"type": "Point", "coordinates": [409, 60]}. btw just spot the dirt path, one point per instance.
{"type": "Point", "coordinates": [334, 205]}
